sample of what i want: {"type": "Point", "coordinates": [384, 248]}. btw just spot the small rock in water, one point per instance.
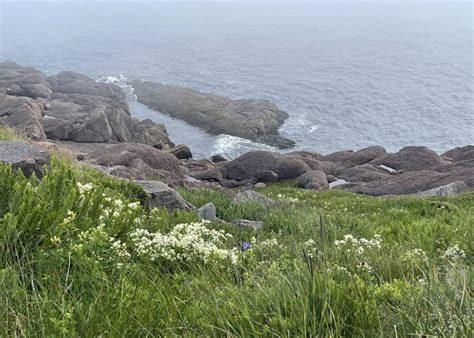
{"type": "Point", "coordinates": [218, 158]}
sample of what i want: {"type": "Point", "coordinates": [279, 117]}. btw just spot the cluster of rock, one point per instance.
{"type": "Point", "coordinates": [370, 171]}
{"type": "Point", "coordinates": [70, 106]}
{"type": "Point", "coordinates": [92, 121]}
{"type": "Point", "coordinates": [256, 120]}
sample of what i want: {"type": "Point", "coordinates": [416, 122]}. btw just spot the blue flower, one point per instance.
{"type": "Point", "coordinates": [245, 246]}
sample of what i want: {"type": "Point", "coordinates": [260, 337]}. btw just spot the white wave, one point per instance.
{"type": "Point", "coordinates": [313, 129]}
{"type": "Point", "coordinates": [232, 146]}
{"type": "Point", "coordinates": [120, 81]}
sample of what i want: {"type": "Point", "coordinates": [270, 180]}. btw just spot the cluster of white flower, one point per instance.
{"type": "Point", "coordinates": [310, 248]}
{"type": "Point", "coordinates": [118, 207]}
{"type": "Point", "coordinates": [97, 239]}
{"type": "Point", "coordinates": [185, 242]}
{"type": "Point", "coordinates": [269, 243]}
{"type": "Point", "coordinates": [454, 254]}
{"type": "Point", "coordinates": [339, 269]}
{"type": "Point", "coordinates": [414, 256]}
{"type": "Point", "coordinates": [287, 199]}
{"type": "Point", "coordinates": [83, 188]}
{"type": "Point", "coordinates": [359, 245]}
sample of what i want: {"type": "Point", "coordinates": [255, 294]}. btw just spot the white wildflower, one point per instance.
{"type": "Point", "coordinates": [83, 188]}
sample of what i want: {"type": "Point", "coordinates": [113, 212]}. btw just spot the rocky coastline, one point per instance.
{"type": "Point", "coordinates": [92, 122]}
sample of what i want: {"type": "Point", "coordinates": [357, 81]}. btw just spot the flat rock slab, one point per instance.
{"type": "Point", "coordinates": [30, 158]}
{"type": "Point", "coordinates": [257, 120]}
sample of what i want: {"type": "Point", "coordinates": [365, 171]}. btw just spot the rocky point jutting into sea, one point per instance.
{"type": "Point", "coordinates": [91, 120]}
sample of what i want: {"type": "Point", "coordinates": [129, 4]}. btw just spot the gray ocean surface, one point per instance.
{"type": "Point", "coordinates": [349, 74]}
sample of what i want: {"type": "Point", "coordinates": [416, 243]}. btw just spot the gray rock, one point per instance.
{"type": "Point", "coordinates": [313, 179]}
{"type": "Point", "coordinates": [26, 157]}
{"type": "Point", "coordinates": [252, 165]}
{"type": "Point", "coordinates": [151, 133]}
{"type": "Point", "coordinates": [411, 159]}
{"type": "Point", "coordinates": [260, 185]}
{"type": "Point", "coordinates": [451, 189]}
{"type": "Point", "coordinates": [160, 195]}
{"type": "Point", "coordinates": [245, 223]}
{"type": "Point", "coordinates": [252, 196]}
{"type": "Point", "coordinates": [208, 212]}
{"type": "Point", "coordinates": [212, 175]}
{"type": "Point", "coordinates": [218, 158]}
{"type": "Point", "coordinates": [257, 120]}
{"type": "Point", "coordinates": [348, 158]}
{"type": "Point", "coordinates": [461, 153]}
{"type": "Point", "coordinates": [181, 151]}
{"type": "Point", "coordinates": [363, 173]}
{"type": "Point", "coordinates": [23, 114]}
{"type": "Point", "coordinates": [406, 183]}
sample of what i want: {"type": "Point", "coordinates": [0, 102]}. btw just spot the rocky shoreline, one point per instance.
{"type": "Point", "coordinates": [92, 121]}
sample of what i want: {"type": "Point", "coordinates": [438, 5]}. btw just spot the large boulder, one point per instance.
{"type": "Point", "coordinates": [458, 154]}
{"type": "Point", "coordinates": [138, 156]}
{"type": "Point", "coordinates": [410, 182]}
{"type": "Point", "coordinates": [411, 159]}
{"type": "Point", "coordinates": [348, 158]}
{"type": "Point", "coordinates": [263, 166]}
{"type": "Point", "coordinates": [181, 151]}
{"type": "Point", "coordinates": [150, 133]}
{"type": "Point", "coordinates": [23, 156]}
{"type": "Point", "coordinates": [17, 80]}
{"type": "Point", "coordinates": [70, 121]}
{"type": "Point", "coordinates": [23, 114]}
{"type": "Point", "coordinates": [313, 179]}
{"type": "Point", "coordinates": [160, 195]}
{"type": "Point", "coordinates": [257, 120]}
{"type": "Point", "coordinates": [362, 173]}
{"type": "Point", "coordinates": [75, 108]}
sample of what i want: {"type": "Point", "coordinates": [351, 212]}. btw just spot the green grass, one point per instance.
{"type": "Point", "coordinates": [70, 266]}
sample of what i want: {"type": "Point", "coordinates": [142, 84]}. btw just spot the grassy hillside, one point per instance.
{"type": "Point", "coordinates": [82, 255]}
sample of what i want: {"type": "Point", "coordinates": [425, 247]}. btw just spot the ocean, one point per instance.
{"type": "Point", "coordinates": [350, 74]}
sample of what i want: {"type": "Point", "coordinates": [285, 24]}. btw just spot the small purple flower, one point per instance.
{"type": "Point", "coordinates": [245, 246]}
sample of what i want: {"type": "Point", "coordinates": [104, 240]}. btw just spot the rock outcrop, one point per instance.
{"type": "Point", "coordinates": [71, 106]}
{"type": "Point", "coordinates": [257, 120]}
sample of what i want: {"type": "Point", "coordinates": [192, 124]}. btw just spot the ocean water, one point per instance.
{"type": "Point", "coordinates": [350, 74]}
